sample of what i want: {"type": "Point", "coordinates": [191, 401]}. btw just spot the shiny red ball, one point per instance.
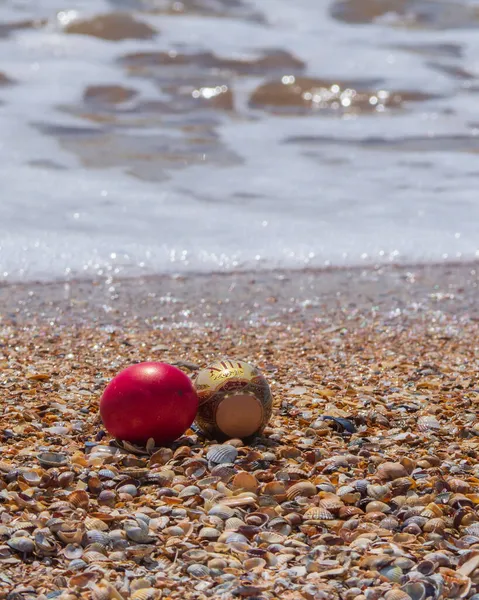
{"type": "Point", "coordinates": [149, 400]}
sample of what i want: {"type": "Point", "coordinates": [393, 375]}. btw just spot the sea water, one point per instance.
{"type": "Point", "coordinates": [160, 136]}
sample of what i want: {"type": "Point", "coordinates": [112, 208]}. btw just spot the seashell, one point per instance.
{"type": "Point", "coordinates": [222, 511]}
{"type": "Point", "coordinates": [232, 537]}
{"type": "Point", "coordinates": [196, 554]}
{"type": "Point", "coordinates": [95, 536]}
{"type": "Point", "coordinates": [137, 531]}
{"type": "Point", "coordinates": [107, 498]}
{"type": "Point", "coordinates": [361, 485]}
{"type": "Point", "coordinates": [280, 525]}
{"type": "Point", "coordinates": [30, 477]}
{"type": "Point", "coordinates": [96, 547]}
{"type": "Point", "coordinates": [173, 531]}
{"type": "Point", "coordinates": [427, 567]}
{"type": "Point", "coordinates": [245, 481]}
{"type": "Point", "coordinates": [145, 594]}
{"type": "Point", "coordinates": [389, 471]}
{"type": "Point", "coordinates": [209, 533]}
{"type": "Point", "coordinates": [189, 491]}
{"type": "Point", "coordinates": [274, 489]}
{"type": "Point", "coordinates": [140, 584]}
{"type": "Point", "coordinates": [70, 533]}
{"type": "Point", "coordinates": [21, 544]}
{"type": "Point", "coordinates": [349, 511]}
{"type": "Point", "coordinates": [79, 499]}
{"type": "Point", "coordinates": [302, 488]}
{"type": "Point", "coordinates": [43, 545]}
{"type": "Point", "coordinates": [93, 556]}
{"type": "Point", "coordinates": [331, 502]}
{"type": "Point", "coordinates": [390, 523]}
{"type": "Point", "coordinates": [257, 519]}
{"type": "Point", "coordinates": [73, 551]}
{"type": "Point", "coordinates": [49, 460]}
{"type": "Point", "coordinates": [437, 524]}
{"type": "Point", "coordinates": [396, 594]}
{"type": "Point", "coordinates": [270, 537]}
{"type": "Point", "coordinates": [233, 523]}
{"type": "Point", "coordinates": [94, 523]}
{"type": "Point", "coordinates": [472, 529]}
{"type": "Point", "coordinates": [129, 489]}
{"type": "Point", "coordinates": [405, 563]}
{"type": "Point", "coordinates": [107, 474]}
{"type": "Point", "coordinates": [392, 573]}
{"type": "Point", "coordinates": [222, 453]}
{"type": "Point", "coordinates": [458, 485]}
{"type": "Point", "coordinates": [318, 513]}
{"type": "Point", "coordinates": [415, 589]}
{"type": "Point", "coordinates": [254, 563]}
{"type": "Point", "coordinates": [198, 570]}
{"type": "Point", "coordinates": [377, 506]}
{"type": "Point", "coordinates": [377, 491]}
{"type": "Point", "coordinates": [66, 478]}
{"type": "Point", "coordinates": [428, 423]}
{"type": "Point", "coordinates": [77, 564]}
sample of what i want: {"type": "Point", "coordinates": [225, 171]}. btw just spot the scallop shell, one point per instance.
{"type": "Point", "coordinates": [392, 573]}
{"type": "Point", "coordinates": [349, 511]}
{"type": "Point", "coordinates": [233, 523]}
{"type": "Point", "coordinates": [472, 529]}
{"type": "Point", "coordinates": [318, 513]}
{"type": "Point", "coordinates": [79, 499]}
{"type": "Point", "coordinates": [396, 594]}
{"type": "Point", "coordinates": [93, 556]}
{"type": "Point", "coordinates": [94, 523]}
{"type": "Point", "coordinates": [107, 474]}
{"type": "Point", "coordinates": [245, 481]}
{"type": "Point", "coordinates": [77, 564]}
{"type": "Point", "coordinates": [270, 537]}
{"type": "Point", "coordinates": [222, 453]}
{"type": "Point", "coordinates": [95, 536]}
{"type": "Point", "coordinates": [198, 570]}
{"type": "Point", "coordinates": [209, 533]}
{"type": "Point", "coordinates": [428, 423]}
{"type": "Point", "coordinates": [302, 488]}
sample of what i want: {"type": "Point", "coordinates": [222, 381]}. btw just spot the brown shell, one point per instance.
{"type": "Point", "coordinates": [79, 499]}
{"type": "Point", "coordinates": [245, 481]}
{"type": "Point", "coordinates": [302, 488]}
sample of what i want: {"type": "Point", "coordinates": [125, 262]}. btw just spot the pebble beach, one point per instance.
{"type": "Point", "coordinates": [363, 486]}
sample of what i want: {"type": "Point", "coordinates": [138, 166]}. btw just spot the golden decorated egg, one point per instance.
{"type": "Point", "coordinates": [234, 400]}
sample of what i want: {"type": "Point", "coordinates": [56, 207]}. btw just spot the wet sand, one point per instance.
{"type": "Point", "coordinates": [377, 501]}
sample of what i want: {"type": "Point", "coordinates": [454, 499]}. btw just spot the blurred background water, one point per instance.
{"type": "Point", "coordinates": [202, 135]}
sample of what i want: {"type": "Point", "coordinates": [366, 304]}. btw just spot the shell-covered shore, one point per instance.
{"type": "Point", "coordinates": [365, 484]}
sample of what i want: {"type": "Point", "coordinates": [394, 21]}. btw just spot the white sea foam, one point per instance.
{"type": "Point", "coordinates": [302, 191]}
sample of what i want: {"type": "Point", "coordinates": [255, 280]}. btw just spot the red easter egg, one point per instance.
{"type": "Point", "coordinates": [149, 400]}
